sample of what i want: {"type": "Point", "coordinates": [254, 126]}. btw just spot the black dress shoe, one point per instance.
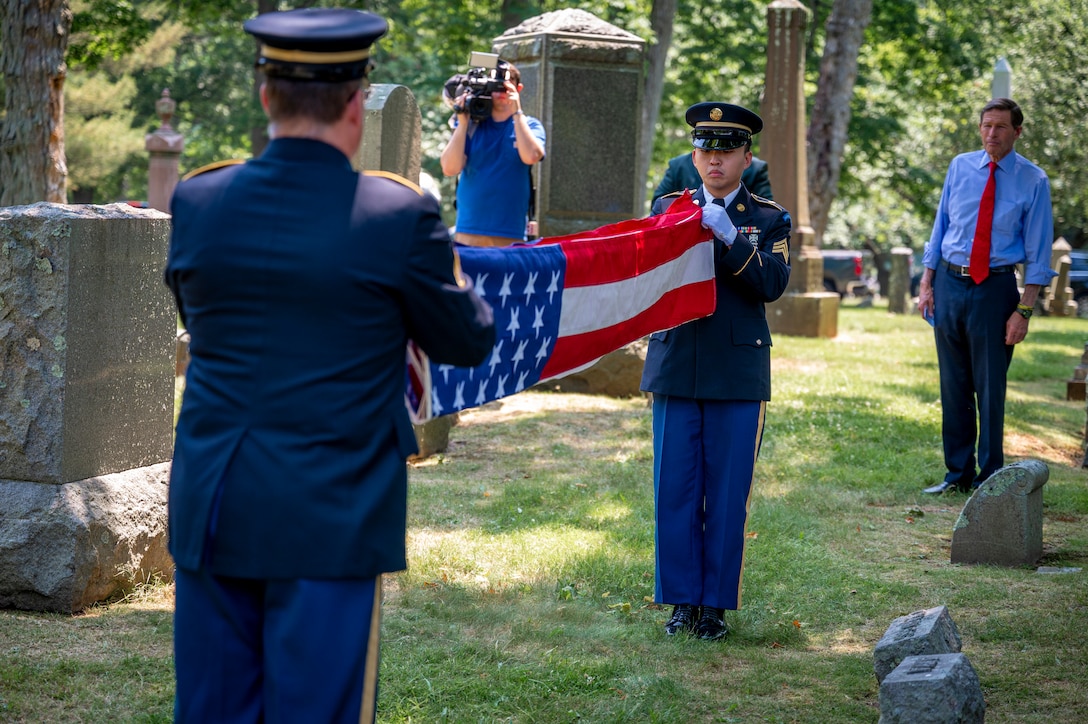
{"type": "Point", "coordinates": [711, 625]}
{"type": "Point", "coordinates": [945, 487]}
{"type": "Point", "coordinates": [683, 619]}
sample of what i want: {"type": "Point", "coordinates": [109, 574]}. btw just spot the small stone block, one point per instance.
{"type": "Point", "coordinates": [937, 689]}
{"type": "Point", "coordinates": [1075, 390]}
{"type": "Point", "coordinates": [931, 631]}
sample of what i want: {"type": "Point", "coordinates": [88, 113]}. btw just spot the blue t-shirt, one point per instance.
{"type": "Point", "coordinates": [493, 191]}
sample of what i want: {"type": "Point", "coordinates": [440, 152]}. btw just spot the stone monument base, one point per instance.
{"type": "Point", "coordinates": [433, 436]}
{"type": "Point", "coordinates": [808, 314]}
{"type": "Point", "coordinates": [65, 547]}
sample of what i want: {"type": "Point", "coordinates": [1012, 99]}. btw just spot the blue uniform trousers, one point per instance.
{"type": "Point", "coordinates": [275, 651]}
{"type": "Point", "coordinates": [704, 459]}
{"type": "Point", "coordinates": [969, 326]}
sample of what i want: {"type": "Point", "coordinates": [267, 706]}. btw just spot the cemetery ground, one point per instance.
{"type": "Point", "coordinates": [529, 592]}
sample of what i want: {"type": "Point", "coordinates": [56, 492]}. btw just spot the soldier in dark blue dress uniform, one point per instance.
{"type": "Point", "coordinates": [711, 380]}
{"type": "Point", "coordinates": [300, 282]}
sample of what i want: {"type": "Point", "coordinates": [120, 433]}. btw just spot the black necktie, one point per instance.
{"type": "Point", "coordinates": [719, 202]}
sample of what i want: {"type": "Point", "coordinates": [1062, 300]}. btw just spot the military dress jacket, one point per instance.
{"type": "Point", "coordinates": [727, 356]}
{"type": "Point", "coordinates": [300, 282]}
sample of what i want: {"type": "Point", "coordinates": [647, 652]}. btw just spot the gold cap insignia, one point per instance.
{"type": "Point", "coordinates": [716, 114]}
{"type": "Point", "coordinates": [740, 207]}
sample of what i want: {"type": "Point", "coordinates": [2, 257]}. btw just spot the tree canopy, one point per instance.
{"type": "Point", "coordinates": [923, 72]}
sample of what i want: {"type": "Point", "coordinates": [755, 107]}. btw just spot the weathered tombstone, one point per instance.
{"type": "Point", "coordinates": [392, 132]}
{"type": "Point", "coordinates": [1001, 86]}
{"type": "Point", "coordinates": [932, 689]}
{"type": "Point", "coordinates": [805, 309]}
{"type": "Point", "coordinates": [583, 80]}
{"type": "Point", "coordinates": [898, 292]}
{"type": "Point", "coordinates": [931, 631]}
{"type": "Point", "coordinates": [87, 402]}
{"type": "Point", "coordinates": [1002, 522]}
{"type": "Point", "coordinates": [391, 142]}
{"type": "Point", "coordinates": [1075, 386]}
{"type": "Point", "coordinates": [164, 146]}
{"type": "Point", "coordinates": [1057, 299]}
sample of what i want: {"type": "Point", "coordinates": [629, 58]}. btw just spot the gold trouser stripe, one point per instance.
{"type": "Point", "coordinates": [370, 671]}
{"type": "Point", "coordinates": [748, 502]}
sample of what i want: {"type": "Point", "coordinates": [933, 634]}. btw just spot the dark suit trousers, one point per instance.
{"type": "Point", "coordinates": [275, 651]}
{"type": "Point", "coordinates": [974, 361]}
{"type": "Point", "coordinates": [704, 459]}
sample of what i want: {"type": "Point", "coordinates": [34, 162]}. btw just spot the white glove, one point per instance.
{"type": "Point", "coordinates": [717, 220]}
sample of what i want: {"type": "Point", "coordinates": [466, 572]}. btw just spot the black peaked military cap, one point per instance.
{"type": "Point", "coordinates": [721, 126]}
{"type": "Point", "coordinates": [319, 44]}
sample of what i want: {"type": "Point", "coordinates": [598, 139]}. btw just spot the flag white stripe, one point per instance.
{"type": "Point", "coordinates": [587, 309]}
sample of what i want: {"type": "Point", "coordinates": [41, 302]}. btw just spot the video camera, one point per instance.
{"type": "Point", "coordinates": [487, 76]}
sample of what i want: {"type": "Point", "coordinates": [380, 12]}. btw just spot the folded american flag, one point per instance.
{"type": "Point", "coordinates": [564, 302]}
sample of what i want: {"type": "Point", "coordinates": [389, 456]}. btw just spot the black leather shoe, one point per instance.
{"type": "Point", "coordinates": [943, 487]}
{"type": "Point", "coordinates": [711, 625]}
{"type": "Point", "coordinates": [683, 619]}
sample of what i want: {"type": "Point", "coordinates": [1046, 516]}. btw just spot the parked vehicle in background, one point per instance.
{"type": "Point", "coordinates": [1078, 279]}
{"type": "Point", "coordinates": [843, 269]}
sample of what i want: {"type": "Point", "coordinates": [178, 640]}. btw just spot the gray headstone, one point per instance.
{"type": "Point", "coordinates": [391, 132]}
{"type": "Point", "coordinates": [64, 547]}
{"type": "Point", "coordinates": [88, 331]}
{"type": "Point", "coordinates": [937, 689]}
{"type": "Point", "coordinates": [1002, 522]}
{"type": "Point", "coordinates": [931, 631]}
{"type": "Point", "coordinates": [583, 81]}
{"type": "Point", "coordinates": [898, 291]}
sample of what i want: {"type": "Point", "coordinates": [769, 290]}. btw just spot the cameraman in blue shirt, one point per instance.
{"type": "Point", "coordinates": [493, 155]}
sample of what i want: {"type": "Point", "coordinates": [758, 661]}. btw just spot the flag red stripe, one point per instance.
{"type": "Point", "coordinates": [675, 307]}
{"type": "Point", "coordinates": [629, 248]}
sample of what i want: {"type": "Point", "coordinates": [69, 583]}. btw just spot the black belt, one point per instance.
{"type": "Point", "coordinates": [964, 271]}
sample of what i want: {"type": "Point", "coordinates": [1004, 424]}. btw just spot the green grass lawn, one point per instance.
{"type": "Point", "coordinates": [529, 593]}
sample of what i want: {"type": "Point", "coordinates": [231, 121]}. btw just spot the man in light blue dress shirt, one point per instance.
{"type": "Point", "coordinates": [978, 320]}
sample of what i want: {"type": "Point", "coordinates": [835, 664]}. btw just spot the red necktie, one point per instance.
{"type": "Point", "coordinates": [980, 249]}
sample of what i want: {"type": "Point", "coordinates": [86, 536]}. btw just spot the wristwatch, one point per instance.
{"type": "Point", "coordinates": [1024, 311]}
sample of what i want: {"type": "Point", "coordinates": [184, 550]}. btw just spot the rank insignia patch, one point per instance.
{"type": "Point", "coordinates": [782, 247]}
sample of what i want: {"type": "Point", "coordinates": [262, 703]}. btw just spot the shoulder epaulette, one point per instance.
{"type": "Point", "coordinates": [394, 177]}
{"type": "Point", "coordinates": [767, 202]}
{"type": "Point", "coordinates": [212, 167]}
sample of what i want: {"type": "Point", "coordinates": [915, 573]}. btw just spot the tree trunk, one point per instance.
{"type": "Point", "coordinates": [831, 106]}
{"type": "Point", "coordinates": [515, 11]}
{"type": "Point", "coordinates": [34, 37]}
{"type": "Point", "coordinates": [661, 21]}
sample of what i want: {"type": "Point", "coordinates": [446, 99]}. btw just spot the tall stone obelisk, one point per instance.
{"type": "Point", "coordinates": [805, 309]}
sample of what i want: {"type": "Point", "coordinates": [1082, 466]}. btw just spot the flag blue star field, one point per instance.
{"type": "Point", "coordinates": [564, 302]}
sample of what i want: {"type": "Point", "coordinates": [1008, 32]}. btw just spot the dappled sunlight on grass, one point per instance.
{"type": "Point", "coordinates": [609, 511]}
{"type": "Point", "coordinates": [468, 557]}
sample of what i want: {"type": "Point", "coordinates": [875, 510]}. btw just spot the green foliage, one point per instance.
{"type": "Point", "coordinates": [924, 72]}
{"type": "Point", "coordinates": [105, 29]}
